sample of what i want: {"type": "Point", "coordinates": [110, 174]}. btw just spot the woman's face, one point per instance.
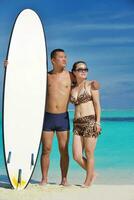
{"type": "Point", "coordinates": [81, 71]}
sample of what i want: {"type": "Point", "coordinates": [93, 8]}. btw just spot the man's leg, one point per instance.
{"type": "Point", "coordinates": [63, 139]}
{"type": "Point", "coordinates": [47, 138]}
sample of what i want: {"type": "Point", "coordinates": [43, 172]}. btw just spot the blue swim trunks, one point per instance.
{"type": "Point", "coordinates": [56, 122]}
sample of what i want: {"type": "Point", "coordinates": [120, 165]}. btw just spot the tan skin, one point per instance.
{"type": "Point", "coordinates": [58, 92]}
{"type": "Point", "coordinates": [89, 108]}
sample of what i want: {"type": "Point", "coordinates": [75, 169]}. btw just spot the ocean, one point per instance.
{"type": "Point", "coordinates": [114, 154]}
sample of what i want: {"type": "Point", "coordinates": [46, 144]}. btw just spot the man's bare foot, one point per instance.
{"type": "Point", "coordinates": [43, 182]}
{"type": "Point", "coordinates": [64, 183]}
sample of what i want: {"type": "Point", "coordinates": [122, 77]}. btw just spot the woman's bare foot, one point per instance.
{"type": "Point", "coordinates": [85, 186]}
{"type": "Point", "coordinates": [94, 177]}
{"type": "Point", "coordinates": [88, 183]}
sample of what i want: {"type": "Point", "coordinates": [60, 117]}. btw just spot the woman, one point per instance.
{"type": "Point", "coordinates": [85, 96]}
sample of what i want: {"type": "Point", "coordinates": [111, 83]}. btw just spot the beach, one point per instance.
{"type": "Point", "coordinates": [57, 192]}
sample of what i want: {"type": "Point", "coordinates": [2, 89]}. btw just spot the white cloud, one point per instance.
{"type": "Point", "coordinates": [75, 26]}
{"type": "Point", "coordinates": [103, 26]}
{"type": "Point", "coordinates": [92, 41]}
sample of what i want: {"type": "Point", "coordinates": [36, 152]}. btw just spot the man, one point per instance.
{"type": "Point", "coordinates": [56, 115]}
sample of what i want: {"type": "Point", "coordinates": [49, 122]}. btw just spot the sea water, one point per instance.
{"type": "Point", "coordinates": [114, 154]}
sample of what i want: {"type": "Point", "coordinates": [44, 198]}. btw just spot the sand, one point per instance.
{"type": "Point", "coordinates": [74, 192]}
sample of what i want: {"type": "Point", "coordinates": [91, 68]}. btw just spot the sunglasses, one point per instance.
{"type": "Point", "coordinates": [82, 70]}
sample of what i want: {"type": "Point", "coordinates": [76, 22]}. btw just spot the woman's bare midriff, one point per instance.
{"type": "Point", "coordinates": [84, 109]}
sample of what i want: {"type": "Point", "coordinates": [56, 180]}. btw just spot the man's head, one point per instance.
{"type": "Point", "coordinates": [58, 58]}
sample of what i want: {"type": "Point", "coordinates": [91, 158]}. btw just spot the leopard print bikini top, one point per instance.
{"type": "Point", "coordinates": [82, 98]}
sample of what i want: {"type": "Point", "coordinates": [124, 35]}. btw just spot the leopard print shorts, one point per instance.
{"type": "Point", "coordinates": [85, 126]}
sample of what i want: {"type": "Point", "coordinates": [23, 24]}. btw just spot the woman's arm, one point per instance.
{"type": "Point", "coordinates": [96, 101]}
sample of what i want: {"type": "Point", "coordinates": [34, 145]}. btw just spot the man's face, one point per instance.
{"type": "Point", "coordinates": [59, 60]}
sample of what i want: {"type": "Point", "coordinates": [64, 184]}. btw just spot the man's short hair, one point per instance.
{"type": "Point", "coordinates": [53, 53]}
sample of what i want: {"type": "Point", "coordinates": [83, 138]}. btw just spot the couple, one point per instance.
{"type": "Point", "coordinates": [64, 86]}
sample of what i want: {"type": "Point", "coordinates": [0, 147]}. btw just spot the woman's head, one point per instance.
{"type": "Point", "coordinates": [80, 70]}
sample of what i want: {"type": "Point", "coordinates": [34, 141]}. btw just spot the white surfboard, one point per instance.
{"type": "Point", "coordinates": [24, 97]}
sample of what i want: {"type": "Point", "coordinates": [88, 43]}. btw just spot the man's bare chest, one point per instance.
{"type": "Point", "coordinates": [59, 82]}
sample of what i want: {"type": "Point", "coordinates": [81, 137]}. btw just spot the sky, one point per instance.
{"type": "Point", "coordinates": [99, 32]}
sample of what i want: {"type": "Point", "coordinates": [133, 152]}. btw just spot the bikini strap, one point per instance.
{"type": "Point", "coordinates": [87, 83]}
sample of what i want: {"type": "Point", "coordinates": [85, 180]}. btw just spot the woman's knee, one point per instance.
{"type": "Point", "coordinates": [89, 154]}
{"type": "Point", "coordinates": [77, 157]}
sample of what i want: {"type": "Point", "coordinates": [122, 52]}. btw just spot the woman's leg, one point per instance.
{"type": "Point", "coordinates": [89, 144]}
{"type": "Point", "coordinates": [77, 151]}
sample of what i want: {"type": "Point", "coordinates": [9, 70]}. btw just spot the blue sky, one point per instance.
{"type": "Point", "coordinates": [98, 32]}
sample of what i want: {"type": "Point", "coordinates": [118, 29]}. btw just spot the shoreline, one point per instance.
{"type": "Point", "coordinates": [57, 192]}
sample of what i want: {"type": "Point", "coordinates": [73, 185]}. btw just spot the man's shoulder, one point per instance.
{"type": "Point", "coordinates": [50, 72]}
{"type": "Point", "coordinates": [66, 71]}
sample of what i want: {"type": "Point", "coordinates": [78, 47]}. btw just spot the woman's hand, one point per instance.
{"type": "Point", "coordinates": [98, 128]}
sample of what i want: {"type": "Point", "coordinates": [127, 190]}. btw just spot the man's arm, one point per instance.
{"type": "Point", "coordinates": [72, 77]}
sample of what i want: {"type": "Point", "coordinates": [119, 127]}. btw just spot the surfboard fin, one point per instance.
{"type": "Point", "coordinates": [32, 159]}
{"type": "Point", "coordinates": [19, 176]}
{"type": "Point", "coordinates": [9, 157]}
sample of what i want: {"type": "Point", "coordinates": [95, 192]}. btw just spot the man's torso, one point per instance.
{"type": "Point", "coordinates": [58, 92]}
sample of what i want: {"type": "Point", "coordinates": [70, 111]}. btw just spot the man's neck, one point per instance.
{"type": "Point", "coordinates": [57, 71]}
